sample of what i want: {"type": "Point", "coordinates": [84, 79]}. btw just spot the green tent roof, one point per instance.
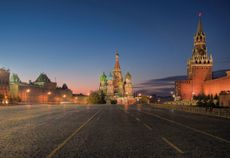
{"type": "Point", "coordinates": [14, 78]}
{"type": "Point", "coordinates": [43, 78]}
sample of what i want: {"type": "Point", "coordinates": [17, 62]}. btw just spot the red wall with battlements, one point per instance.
{"type": "Point", "coordinates": [199, 75]}
{"type": "Point", "coordinates": [187, 88]}
{"type": "Point", "coordinates": [184, 89]}
{"type": "Point", "coordinates": [213, 87]}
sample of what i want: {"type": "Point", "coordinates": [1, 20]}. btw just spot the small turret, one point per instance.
{"type": "Point", "coordinates": [128, 84]}
{"type": "Point", "coordinates": [110, 77]}
{"type": "Point", "coordinates": [110, 87]}
{"type": "Point", "coordinates": [128, 76]}
{"type": "Point", "coordinates": [14, 78]}
{"type": "Point", "coordinates": [103, 77]}
{"type": "Point", "coordinates": [103, 83]}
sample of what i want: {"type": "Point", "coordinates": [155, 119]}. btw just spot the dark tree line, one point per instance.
{"type": "Point", "coordinates": [208, 101]}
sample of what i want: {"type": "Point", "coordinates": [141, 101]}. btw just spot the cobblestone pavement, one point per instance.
{"type": "Point", "coordinates": [110, 131]}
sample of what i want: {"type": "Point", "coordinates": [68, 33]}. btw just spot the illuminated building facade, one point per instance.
{"type": "Point", "coordinates": [199, 72]}
{"type": "Point", "coordinates": [42, 90]}
{"type": "Point", "coordinates": [4, 84]}
{"type": "Point", "coordinates": [114, 86]}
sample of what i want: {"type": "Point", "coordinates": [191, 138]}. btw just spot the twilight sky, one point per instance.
{"type": "Point", "coordinates": [74, 40]}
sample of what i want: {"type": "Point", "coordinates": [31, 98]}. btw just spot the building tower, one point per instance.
{"type": "Point", "coordinates": [199, 66]}
{"type": "Point", "coordinates": [4, 82]}
{"type": "Point", "coordinates": [128, 85]}
{"type": "Point", "coordinates": [103, 83]}
{"type": "Point", "coordinates": [117, 77]}
{"type": "Point", "coordinates": [110, 87]}
{"type": "Point", "coordinates": [14, 85]}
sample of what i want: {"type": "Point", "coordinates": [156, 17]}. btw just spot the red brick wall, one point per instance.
{"type": "Point", "coordinates": [184, 89]}
{"type": "Point", "coordinates": [216, 86]}
{"type": "Point", "coordinates": [199, 75]}
{"type": "Point", "coordinates": [187, 88]}
{"type": "Point", "coordinates": [4, 82]}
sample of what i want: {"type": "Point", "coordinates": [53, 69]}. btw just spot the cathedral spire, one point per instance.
{"type": "Point", "coordinates": [199, 26]}
{"type": "Point", "coordinates": [117, 65]}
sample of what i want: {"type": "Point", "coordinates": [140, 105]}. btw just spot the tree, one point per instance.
{"type": "Point", "coordinates": [207, 101]}
{"type": "Point", "coordinates": [97, 98]}
{"type": "Point", "coordinates": [144, 99]}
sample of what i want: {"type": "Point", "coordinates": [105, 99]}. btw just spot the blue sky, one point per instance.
{"type": "Point", "coordinates": [74, 41]}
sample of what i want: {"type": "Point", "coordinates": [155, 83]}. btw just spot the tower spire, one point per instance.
{"type": "Point", "coordinates": [117, 52]}
{"type": "Point", "coordinates": [117, 65]}
{"type": "Point", "coordinates": [117, 77]}
{"type": "Point", "coordinates": [199, 26]}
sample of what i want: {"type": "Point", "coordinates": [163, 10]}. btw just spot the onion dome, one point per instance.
{"type": "Point", "coordinates": [110, 77]}
{"type": "Point", "coordinates": [103, 77]}
{"type": "Point", "coordinates": [128, 75]}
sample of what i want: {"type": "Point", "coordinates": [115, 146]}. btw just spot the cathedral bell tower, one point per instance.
{"type": "Point", "coordinates": [117, 77]}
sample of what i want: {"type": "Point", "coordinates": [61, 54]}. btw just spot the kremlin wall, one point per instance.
{"type": "Point", "coordinates": [199, 72]}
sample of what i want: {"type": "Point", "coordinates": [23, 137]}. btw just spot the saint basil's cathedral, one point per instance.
{"type": "Point", "coordinates": [115, 87]}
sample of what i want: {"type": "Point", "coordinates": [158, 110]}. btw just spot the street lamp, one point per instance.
{"type": "Point", "coordinates": [28, 90]}
{"type": "Point", "coordinates": [173, 95]}
{"type": "Point", "coordinates": [150, 97]}
{"type": "Point", "coordinates": [139, 98]}
{"type": "Point", "coordinates": [193, 94]}
{"type": "Point", "coordinates": [5, 100]}
{"type": "Point", "coordinates": [48, 93]}
{"type": "Point", "coordinates": [158, 100]}
{"type": "Point", "coordinates": [27, 94]}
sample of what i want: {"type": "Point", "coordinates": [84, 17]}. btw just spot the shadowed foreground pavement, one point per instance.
{"type": "Point", "coordinates": [110, 131]}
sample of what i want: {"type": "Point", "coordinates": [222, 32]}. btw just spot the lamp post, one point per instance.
{"type": "Point", "coordinates": [76, 99]}
{"type": "Point", "coordinates": [173, 95]}
{"type": "Point", "coordinates": [150, 98]}
{"type": "Point", "coordinates": [48, 93]}
{"type": "Point", "coordinates": [139, 97]}
{"type": "Point", "coordinates": [5, 101]}
{"type": "Point", "coordinates": [27, 95]}
{"type": "Point", "coordinates": [193, 94]}
{"type": "Point", "coordinates": [64, 96]}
